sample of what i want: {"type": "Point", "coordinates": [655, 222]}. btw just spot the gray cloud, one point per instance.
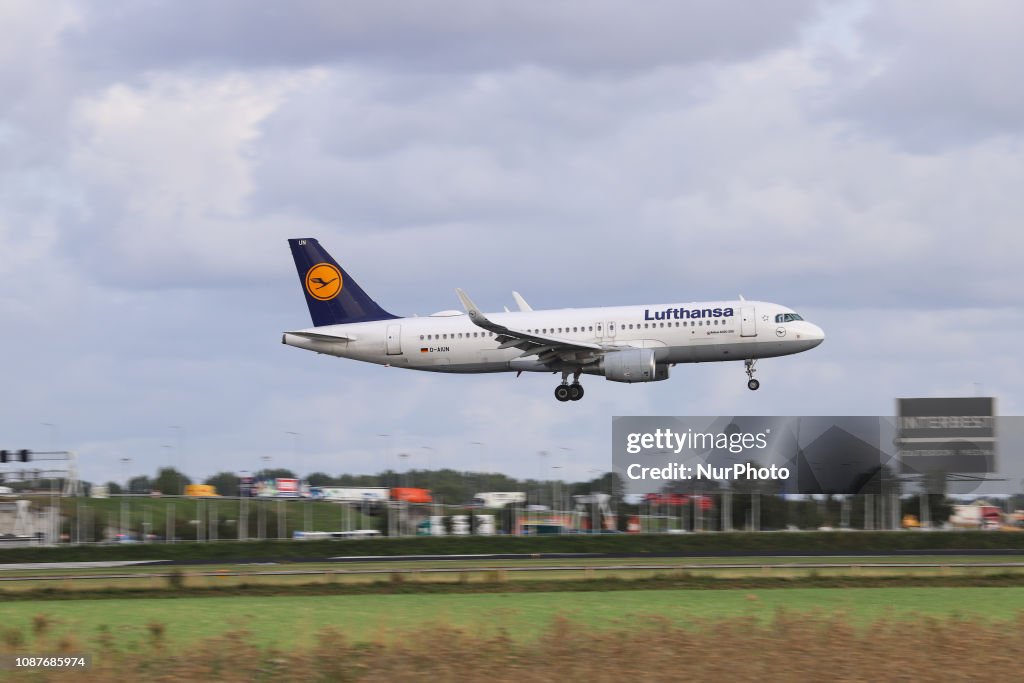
{"type": "Point", "coordinates": [455, 35]}
{"type": "Point", "coordinates": [931, 78]}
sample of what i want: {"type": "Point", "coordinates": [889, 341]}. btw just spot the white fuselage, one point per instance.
{"type": "Point", "coordinates": [678, 333]}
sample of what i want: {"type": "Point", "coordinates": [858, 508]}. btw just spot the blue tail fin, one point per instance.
{"type": "Point", "coordinates": [332, 296]}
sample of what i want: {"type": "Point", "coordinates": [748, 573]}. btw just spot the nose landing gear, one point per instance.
{"type": "Point", "coordinates": [752, 383]}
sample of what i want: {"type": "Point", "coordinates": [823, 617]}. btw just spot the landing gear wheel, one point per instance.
{"type": "Point", "coordinates": [562, 392]}
{"type": "Point", "coordinates": [575, 392]}
{"type": "Point", "coordinates": [752, 383]}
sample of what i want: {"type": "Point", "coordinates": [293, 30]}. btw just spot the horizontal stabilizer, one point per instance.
{"type": "Point", "coordinates": [317, 336]}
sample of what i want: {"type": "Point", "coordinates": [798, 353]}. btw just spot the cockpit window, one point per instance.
{"type": "Point", "coordinates": [787, 317]}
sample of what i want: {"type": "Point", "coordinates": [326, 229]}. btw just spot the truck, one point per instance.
{"type": "Point", "coordinates": [281, 488]}
{"type": "Point", "coordinates": [976, 516]}
{"type": "Point", "coordinates": [200, 491]}
{"type": "Point", "coordinates": [345, 494]}
{"type": "Point", "coordinates": [411, 495]}
{"type": "Point", "coordinates": [499, 499]}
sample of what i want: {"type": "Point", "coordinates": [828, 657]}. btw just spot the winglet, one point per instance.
{"type": "Point", "coordinates": [521, 302]}
{"type": "Point", "coordinates": [471, 309]}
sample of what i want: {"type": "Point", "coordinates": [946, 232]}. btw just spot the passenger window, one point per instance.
{"type": "Point", "coordinates": [421, 337]}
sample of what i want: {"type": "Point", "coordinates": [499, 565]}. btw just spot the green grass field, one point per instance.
{"type": "Point", "coordinates": [292, 621]}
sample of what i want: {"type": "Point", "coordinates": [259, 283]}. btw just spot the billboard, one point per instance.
{"type": "Point", "coordinates": [350, 495]}
{"type": "Point", "coordinates": [939, 436]}
{"type": "Point", "coordinates": [280, 488]}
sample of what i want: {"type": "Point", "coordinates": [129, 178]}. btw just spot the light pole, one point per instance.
{"type": "Point", "coordinates": [295, 454]}
{"type": "Point", "coordinates": [125, 511]}
{"type": "Point", "coordinates": [434, 506]}
{"type": "Point", "coordinates": [597, 510]}
{"type": "Point", "coordinates": [53, 434]}
{"type": "Point", "coordinates": [568, 474]}
{"type": "Point", "coordinates": [556, 496]}
{"type": "Point", "coordinates": [404, 459]}
{"type": "Point", "coordinates": [243, 508]}
{"type": "Point", "coordinates": [261, 513]}
{"type": "Point", "coordinates": [178, 432]}
{"type": "Point", "coordinates": [568, 460]}
{"type": "Point", "coordinates": [541, 456]}
{"type": "Point", "coordinates": [555, 486]}
{"type": "Point", "coordinates": [482, 482]}
{"type": "Point", "coordinates": [170, 461]}
{"type": "Point", "coordinates": [387, 449]}
{"type": "Point", "coordinates": [127, 484]}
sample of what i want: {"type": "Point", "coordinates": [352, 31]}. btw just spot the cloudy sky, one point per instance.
{"type": "Point", "coordinates": [861, 162]}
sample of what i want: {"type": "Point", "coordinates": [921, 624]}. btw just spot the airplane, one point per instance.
{"type": "Point", "coordinates": [623, 343]}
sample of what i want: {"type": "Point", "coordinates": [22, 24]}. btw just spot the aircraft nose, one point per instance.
{"type": "Point", "coordinates": [807, 334]}
{"type": "Point", "coordinates": [814, 334]}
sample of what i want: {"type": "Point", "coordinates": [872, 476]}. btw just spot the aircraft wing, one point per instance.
{"type": "Point", "coordinates": [547, 349]}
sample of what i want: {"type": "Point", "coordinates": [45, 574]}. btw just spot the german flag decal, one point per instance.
{"type": "Point", "coordinates": [423, 349]}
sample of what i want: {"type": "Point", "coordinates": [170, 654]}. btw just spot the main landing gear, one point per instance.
{"type": "Point", "coordinates": [569, 392]}
{"type": "Point", "coordinates": [752, 383]}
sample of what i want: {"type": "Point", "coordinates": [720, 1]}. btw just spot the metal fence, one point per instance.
{"type": "Point", "coordinates": [141, 518]}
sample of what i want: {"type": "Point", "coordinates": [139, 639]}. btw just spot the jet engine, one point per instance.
{"type": "Point", "coordinates": [633, 365]}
